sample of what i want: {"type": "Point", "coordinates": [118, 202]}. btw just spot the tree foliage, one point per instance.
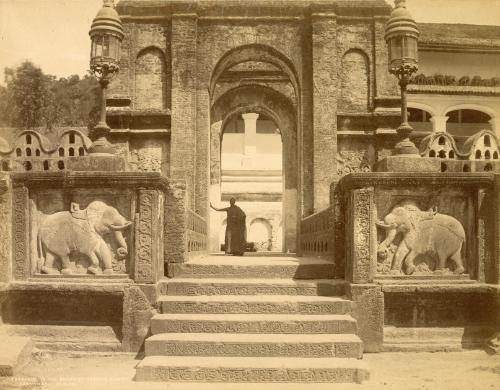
{"type": "Point", "coordinates": [33, 99]}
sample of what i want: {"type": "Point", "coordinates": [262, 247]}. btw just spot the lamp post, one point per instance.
{"type": "Point", "coordinates": [401, 35]}
{"type": "Point", "coordinates": [106, 34]}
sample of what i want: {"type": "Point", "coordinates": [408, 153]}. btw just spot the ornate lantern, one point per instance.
{"type": "Point", "coordinates": [106, 34]}
{"type": "Point", "coordinates": [401, 35]}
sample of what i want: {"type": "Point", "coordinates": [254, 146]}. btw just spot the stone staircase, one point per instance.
{"type": "Point", "coordinates": [253, 319]}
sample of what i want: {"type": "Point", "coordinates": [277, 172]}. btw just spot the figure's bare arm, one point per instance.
{"type": "Point", "coordinates": [216, 209]}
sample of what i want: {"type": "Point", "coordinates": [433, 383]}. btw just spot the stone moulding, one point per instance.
{"type": "Point", "coordinates": [408, 179]}
{"type": "Point", "coordinates": [150, 180]}
{"type": "Point", "coordinates": [132, 9]}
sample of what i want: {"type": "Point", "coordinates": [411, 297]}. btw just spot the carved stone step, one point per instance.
{"type": "Point", "coordinates": [253, 267]}
{"type": "Point", "coordinates": [240, 344]}
{"type": "Point", "coordinates": [252, 323]}
{"type": "Point", "coordinates": [271, 304]}
{"type": "Point", "coordinates": [250, 369]}
{"type": "Point", "coordinates": [192, 287]}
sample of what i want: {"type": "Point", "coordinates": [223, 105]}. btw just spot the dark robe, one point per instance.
{"type": "Point", "coordinates": [236, 231]}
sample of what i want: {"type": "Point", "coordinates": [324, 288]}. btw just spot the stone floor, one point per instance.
{"type": "Point", "coordinates": [469, 370]}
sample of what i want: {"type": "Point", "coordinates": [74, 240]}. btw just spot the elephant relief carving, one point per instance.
{"type": "Point", "coordinates": [415, 235]}
{"type": "Point", "coordinates": [83, 232]}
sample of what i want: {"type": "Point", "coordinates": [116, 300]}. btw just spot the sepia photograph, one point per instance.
{"type": "Point", "coordinates": [250, 194]}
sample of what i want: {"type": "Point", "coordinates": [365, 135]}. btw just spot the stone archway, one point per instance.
{"type": "Point", "coordinates": [267, 101]}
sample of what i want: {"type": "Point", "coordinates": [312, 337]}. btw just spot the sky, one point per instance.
{"type": "Point", "coordinates": [53, 34]}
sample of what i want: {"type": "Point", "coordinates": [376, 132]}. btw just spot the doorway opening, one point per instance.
{"type": "Point", "coordinates": [251, 156]}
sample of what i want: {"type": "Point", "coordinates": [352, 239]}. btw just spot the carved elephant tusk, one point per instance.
{"type": "Point", "coordinates": [383, 225]}
{"type": "Point", "coordinates": [120, 227]}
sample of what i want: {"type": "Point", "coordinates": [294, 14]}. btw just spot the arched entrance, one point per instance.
{"type": "Point", "coordinates": [256, 81]}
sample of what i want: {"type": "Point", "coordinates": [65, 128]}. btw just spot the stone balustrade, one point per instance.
{"type": "Point", "coordinates": [316, 234]}
{"type": "Point", "coordinates": [196, 233]}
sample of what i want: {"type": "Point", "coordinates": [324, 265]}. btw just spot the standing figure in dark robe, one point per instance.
{"type": "Point", "coordinates": [236, 232]}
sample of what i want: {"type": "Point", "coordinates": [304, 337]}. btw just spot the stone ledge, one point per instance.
{"type": "Point", "coordinates": [407, 179]}
{"type": "Point", "coordinates": [85, 179]}
{"type": "Point", "coordinates": [81, 285]}
{"type": "Point", "coordinates": [442, 288]}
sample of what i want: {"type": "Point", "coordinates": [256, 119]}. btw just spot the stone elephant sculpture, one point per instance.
{"type": "Point", "coordinates": [426, 233]}
{"type": "Point", "coordinates": [81, 231]}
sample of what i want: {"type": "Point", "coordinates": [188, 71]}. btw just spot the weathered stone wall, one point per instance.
{"type": "Point", "coordinates": [145, 67]}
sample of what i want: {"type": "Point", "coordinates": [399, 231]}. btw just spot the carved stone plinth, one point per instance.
{"type": "Point", "coordinates": [410, 163]}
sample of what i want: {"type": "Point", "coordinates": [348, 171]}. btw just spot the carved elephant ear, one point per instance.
{"type": "Point", "coordinates": [76, 212]}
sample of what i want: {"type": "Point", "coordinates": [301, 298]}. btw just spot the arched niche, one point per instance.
{"type": "Point", "coordinates": [260, 233]}
{"type": "Point", "coordinates": [354, 82]}
{"type": "Point", "coordinates": [254, 53]}
{"type": "Point", "coordinates": [151, 89]}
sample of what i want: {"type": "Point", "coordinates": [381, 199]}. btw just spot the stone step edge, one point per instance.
{"type": "Point", "coordinates": [245, 369]}
{"type": "Point", "coordinates": [257, 281]}
{"type": "Point", "coordinates": [252, 317]}
{"type": "Point", "coordinates": [263, 338]}
{"type": "Point", "coordinates": [265, 345]}
{"type": "Point", "coordinates": [252, 299]}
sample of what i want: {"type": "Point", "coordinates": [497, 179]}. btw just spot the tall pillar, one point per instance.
{"type": "Point", "coordinates": [183, 137]}
{"type": "Point", "coordinates": [250, 120]}
{"type": "Point", "coordinates": [325, 82]}
{"type": "Point", "coordinates": [439, 123]}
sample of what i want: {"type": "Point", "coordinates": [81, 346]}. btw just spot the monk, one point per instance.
{"type": "Point", "coordinates": [236, 232]}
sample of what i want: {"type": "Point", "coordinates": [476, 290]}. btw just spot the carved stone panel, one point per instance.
{"type": "Point", "coordinates": [148, 236]}
{"type": "Point", "coordinates": [421, 241]}
{"type": "Point", "coordinates": [80, 231]}
{"type": "Point", "coordinates": [20, 232]}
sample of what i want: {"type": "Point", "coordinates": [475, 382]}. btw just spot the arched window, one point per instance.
{"type": "Point", "coordinates": [466, 122]}
{"type": "Point", "coordinates": [419, 119]}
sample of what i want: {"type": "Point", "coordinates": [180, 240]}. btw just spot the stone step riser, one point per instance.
{"type": "Point", "coordinates": [191, 289]}
{"type": "Point", "coordinates": [279, 327]}
{"type": "Point", "coordinates": [338, 307]}
{"type": "Point", "coordinates": [202, 271]}
{"type": "Point", "coordinates": [250, 375]}
{"type": "Point", "coordinates": [255, 349]}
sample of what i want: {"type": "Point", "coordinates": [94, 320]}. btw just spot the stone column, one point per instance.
{"type": "Point", "coordinates": [250, 120]}
{"type": "Point", "coordinates": [183, 137]}
{"type": "Point", "coordinates": [325, 82]}
{"type": "Point", "coordinates": [439, 123]}
{"type": "Point", "coordinates": [361, 266]}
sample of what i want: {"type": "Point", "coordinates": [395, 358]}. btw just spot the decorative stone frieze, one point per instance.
{"type": "Point", "coordinates": [85, 232]}
{"type": "Point", "coordinates": [426, 241]}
